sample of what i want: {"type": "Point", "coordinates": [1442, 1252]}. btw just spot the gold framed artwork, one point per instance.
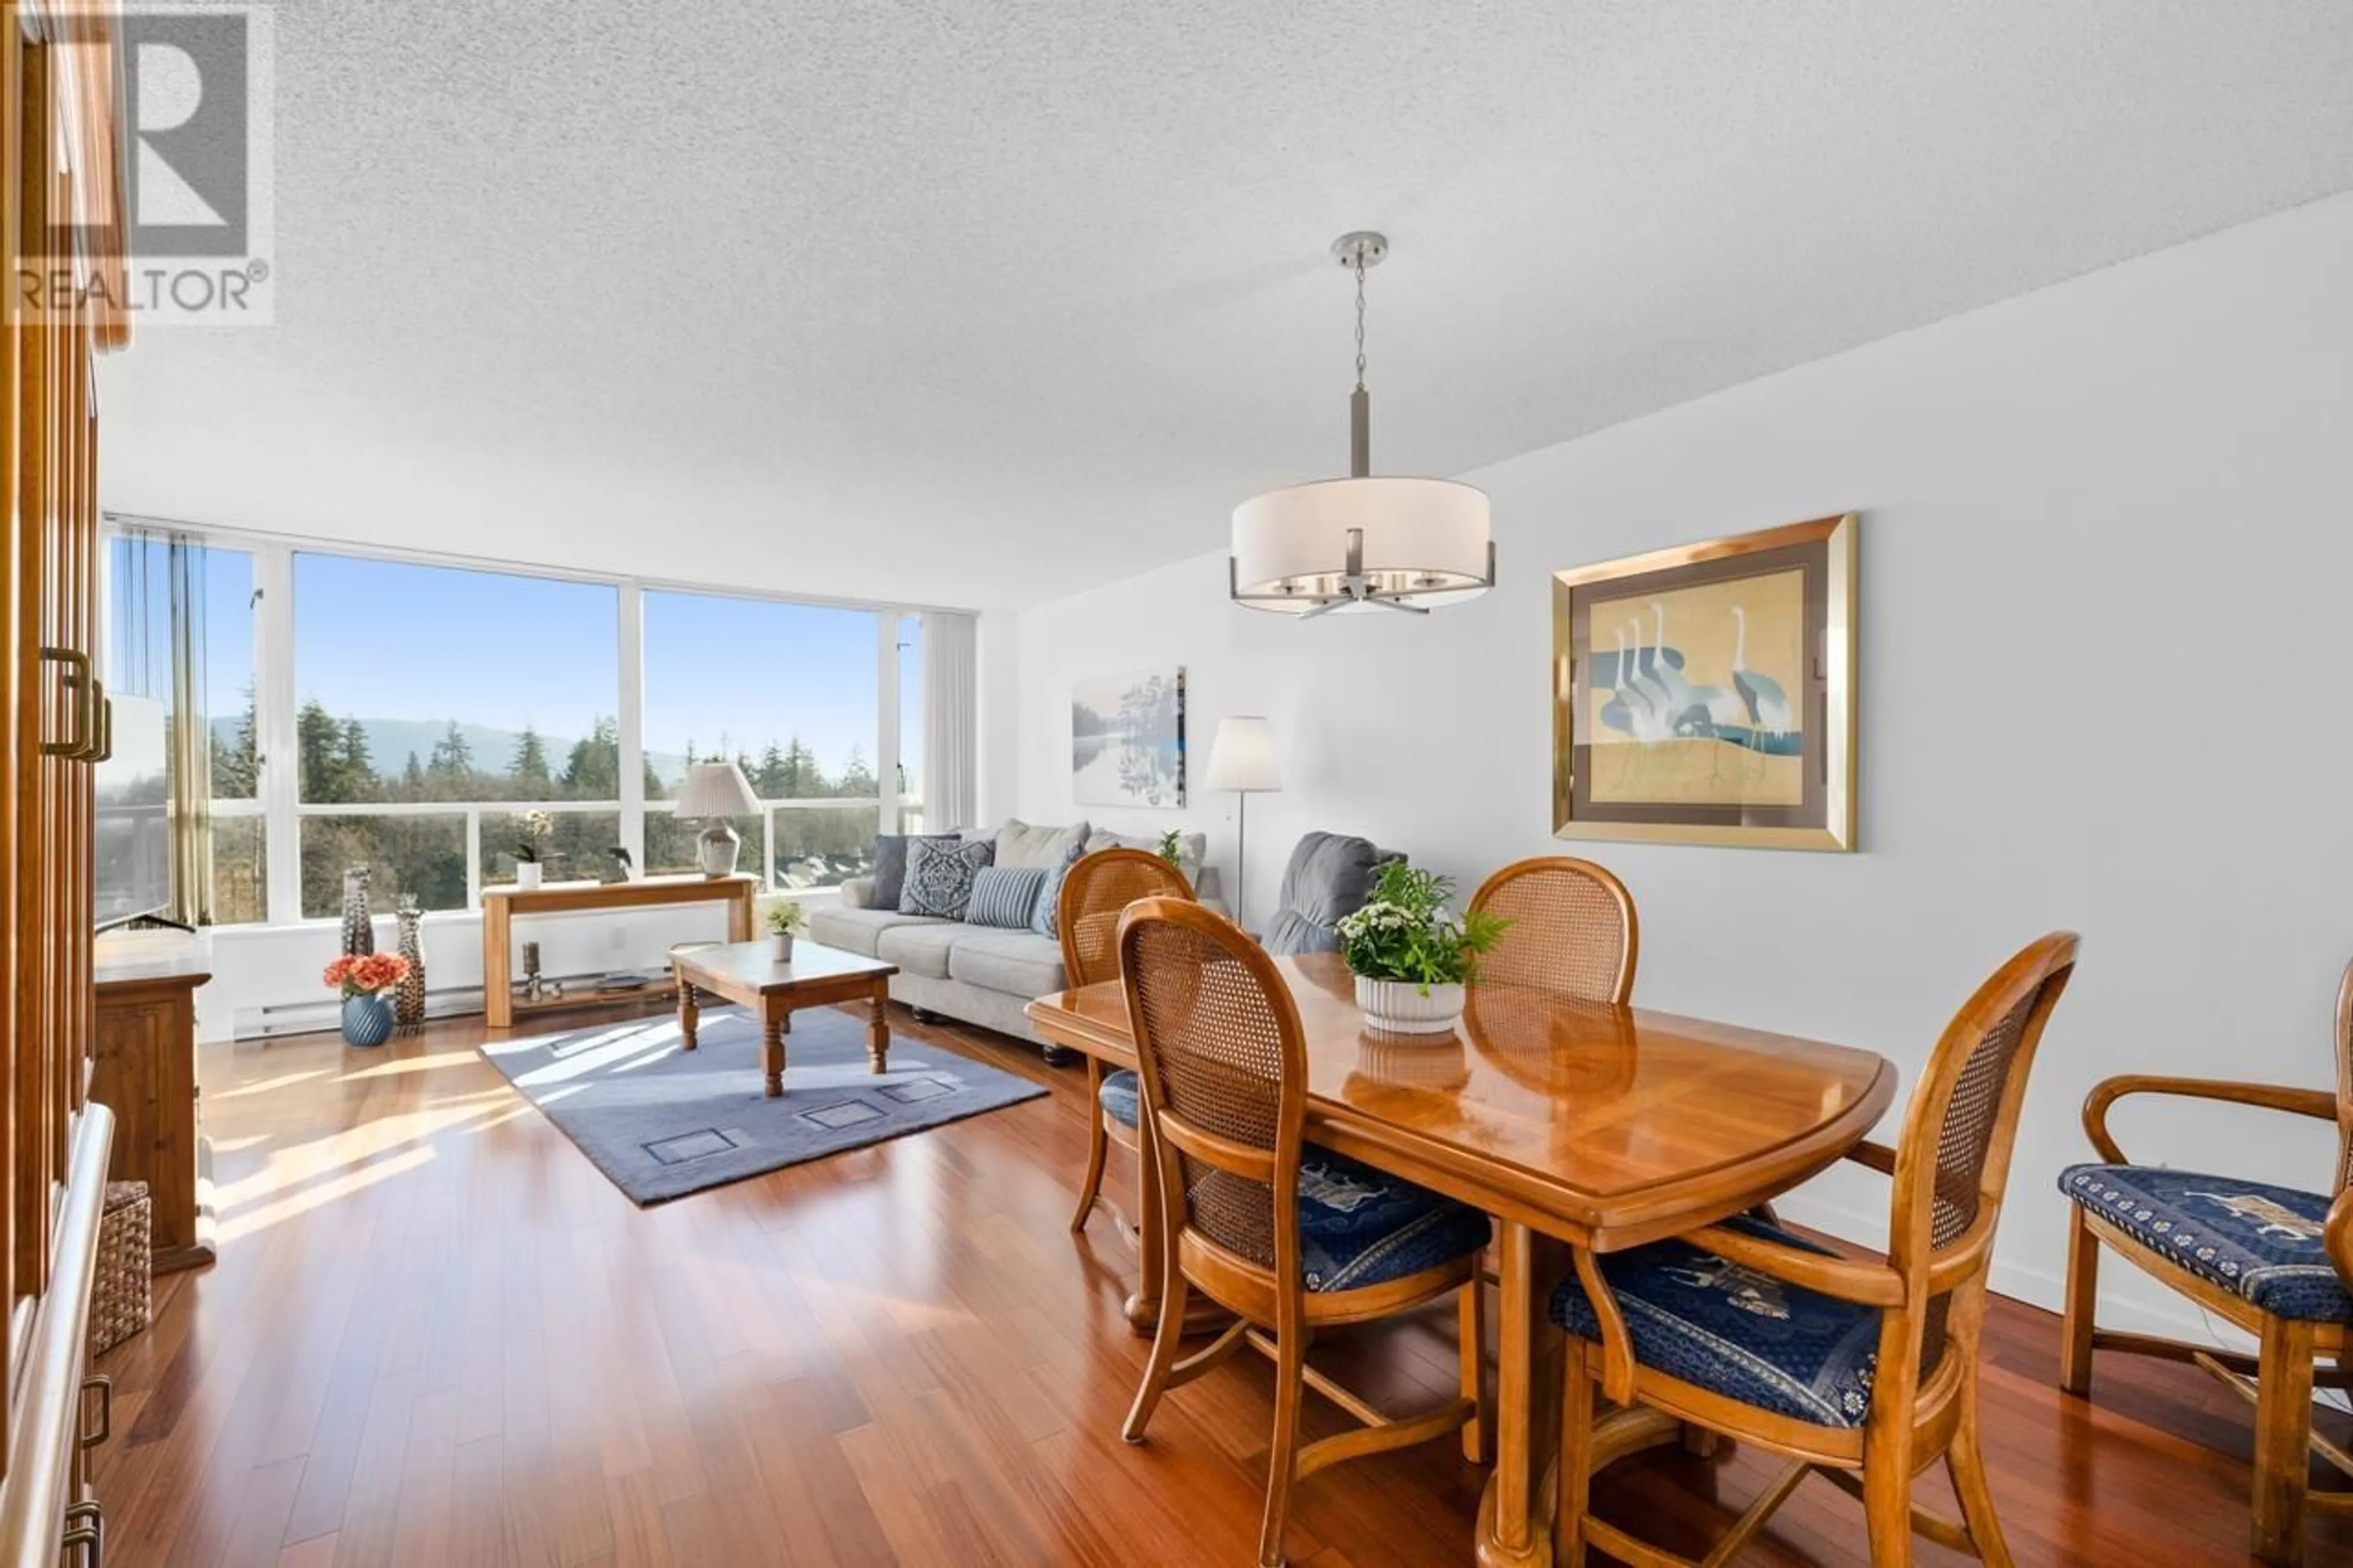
{"type": "Point", "coordinates": [1705, 694]}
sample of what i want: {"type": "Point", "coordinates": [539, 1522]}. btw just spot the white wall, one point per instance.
{"type": "Point", "coordinates": [2107, 551]}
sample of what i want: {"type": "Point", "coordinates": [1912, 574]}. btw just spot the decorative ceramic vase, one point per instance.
{"type": "Point", "coordinates": [359, 925]}
{"type": "Point", "coordinates": [409, 997]}
{"type": "Point", "coordinates": [367, 1020]}
{"type": "Point", "coordinates": [526, 873]}
{"type": "Point", "coordinates": [1405, 1007]}
{"type": "Point", "coordinates": [780, 946]}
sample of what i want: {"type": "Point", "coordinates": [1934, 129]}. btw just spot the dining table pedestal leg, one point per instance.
{"type": "Point", "coordinates": [1141, 1308]}
{"type": "Point", "coordinates": [1515, 1515]}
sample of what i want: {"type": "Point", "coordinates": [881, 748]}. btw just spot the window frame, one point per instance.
{"type": "Point", "coordinates": [277, 795]}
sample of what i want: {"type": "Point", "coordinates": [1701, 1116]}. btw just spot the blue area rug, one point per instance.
{"type": "Point", "coordinates": [663, 1122]}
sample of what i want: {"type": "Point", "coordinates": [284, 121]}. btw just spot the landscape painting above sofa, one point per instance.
{"type": "Point", "coordinates": [1127, 739]}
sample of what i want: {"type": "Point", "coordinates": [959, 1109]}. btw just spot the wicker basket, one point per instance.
{"type": "Point", "coordinates": [122, 1302]}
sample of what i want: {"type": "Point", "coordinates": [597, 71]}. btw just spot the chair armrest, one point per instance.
{"type": "Point", "coordinates": [2312, 1102]}
{"type": "Point", "coordinates": [857, 893]}
{"type": "Point", "coordinates": [1849, 1279]}
{"type": "Point", "coordinates": [2337, 1236]}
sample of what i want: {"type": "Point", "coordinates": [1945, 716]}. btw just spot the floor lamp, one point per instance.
{"type": "Point", "coordinates": [1241, 759]}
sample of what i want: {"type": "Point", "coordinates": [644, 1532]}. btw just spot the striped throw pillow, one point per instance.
{"type": "Point", "coordinates": [1005, 896]}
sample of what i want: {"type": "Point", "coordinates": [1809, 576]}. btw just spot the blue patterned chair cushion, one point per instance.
{"type": "Point", "coordinates": [1359, 1226]}
{"type": "Point", "coordinates": [1118, 1096]}
{"type": "Point", "coordinates": [1738, 1331]}
{"type": "Point", "coordinates": [2254, 1240]}
{"type": "Point", "coordinates": [1004, 896]}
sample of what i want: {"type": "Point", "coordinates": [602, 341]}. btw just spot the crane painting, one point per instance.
{"type": "Point", "coordinates": [1695, 701]}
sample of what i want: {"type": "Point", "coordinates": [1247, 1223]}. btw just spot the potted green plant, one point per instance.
{"type": "Point", "coordinates": [1172, 846]}
{"type": "Point", "coordinates": [536, 826]}
{"type": "Point", "coordinates": [1411, 954]}
{"type": "Point", "coordinates": [784, 919]}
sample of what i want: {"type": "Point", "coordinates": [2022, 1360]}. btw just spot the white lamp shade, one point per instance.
{"type": "Point", "coordinates": [716, 789]}
{"type": "Point", "coordinates": [1427, 543]}
{"type": "Point", "coordinates": [1243, 756]}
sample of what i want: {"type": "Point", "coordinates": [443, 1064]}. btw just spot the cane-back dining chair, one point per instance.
{"type": "Point", "coordinates": [2275, 1262]}
{"type": "Point", "coordinates": [1288, 1237]}
{"type": "Point", "coordinates": [1572, 930]}
{"type": "Point", "coordinates": [1093, 892]}
{"type": "Point", "coordinates": [1864, 1370]}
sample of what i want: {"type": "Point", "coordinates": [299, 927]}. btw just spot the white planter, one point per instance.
{"type": "Point", "coordinates": [780, 946]}
{"type": "Point", "coordinates": [1401, 1006]}
{"type": "Point", "coordinates": [527, 873]}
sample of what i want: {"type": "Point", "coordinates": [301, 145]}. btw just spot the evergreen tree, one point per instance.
{"type": "Point", "coordinates": [236, 762]}
{"type": "Point", "coordinates": [360, 782]}
{"type": "Point", "coordinates": [530, 767]}
{"type": "Point", "coordinates": [768, 779]}
{"type": "Point", "coordinates": [593, 771]}
{"type": "Point", "coordinates": [317, 747]}
{"type": "Point", "coordinates": [856, 776]}
{"type": "Point", "coordinates": [412, 779]}
{"type": "Point", "coordinates": [452, 757]}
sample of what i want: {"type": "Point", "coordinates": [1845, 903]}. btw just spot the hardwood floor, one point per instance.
{"type": "Point", "coordinates": [437, 1335]}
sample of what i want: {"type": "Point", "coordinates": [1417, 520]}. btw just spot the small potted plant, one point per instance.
{"type": "Point", "coordinates": [366, 980]}
{"type": "Point", "coordinates": [536, 826]}
{"type": "Point", "coordinates": [1411, 954]}
{"type": "Point", "coordinates": [783, 918]}
{"type": "Point", "coordinates": [1172, 847]}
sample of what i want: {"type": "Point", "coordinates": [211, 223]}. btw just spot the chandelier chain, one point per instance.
{"type": "Point", "coordinates": [1360, 320]}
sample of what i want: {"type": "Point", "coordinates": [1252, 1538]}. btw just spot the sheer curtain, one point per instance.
{"type": "Point", "coordinates": [156, 649]}
{"type": "Point", "coordinates": [951, 721]}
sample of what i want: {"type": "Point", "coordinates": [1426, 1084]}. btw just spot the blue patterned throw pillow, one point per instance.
{"type": "Point", "coordinates": [940, 873]}
{"type": "Point", "coordinates": [1004, 896]}
{"type": "Point", "coordinates": [1045, 919]}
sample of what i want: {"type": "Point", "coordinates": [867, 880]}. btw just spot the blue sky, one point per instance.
{"type": "Point", "coordinates": [379, 639]}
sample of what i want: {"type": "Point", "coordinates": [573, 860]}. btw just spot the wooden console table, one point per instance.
{"type": "Point", "coordinates": [144, 1071]}
{"type": "Point", "coordinates": [500, 905]}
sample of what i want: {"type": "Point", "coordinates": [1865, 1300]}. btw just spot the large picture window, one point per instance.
{"type": "Point", "coordinates": [789, 692]}
{"type": "Point", "coordinates": [434, 699]}
{"type": "Point", "coordinates": [425, 719]}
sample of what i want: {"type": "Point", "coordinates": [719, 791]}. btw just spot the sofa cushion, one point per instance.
{"type": "Point", "coordinates": [857, 931]}
{"type": "Point", "coordinates": [940, 874]}
{"type": "Point", "coordinates": [1019, 843]}
{"type": "Point", "coordinates": [1018, 963]}
{"type": "Point", "coordinates": [2251, 1238]}
{"type": "Point", "coordinates": [890, 866]}
{"type": "Point", "coordinates": [921, 947]}
{"type": "Point", "coordinates": [1331, 875]}
{"type": "Point", "coordinates": [1046, 915]}
{"type": "Point", "coordinates": [1005, 896]}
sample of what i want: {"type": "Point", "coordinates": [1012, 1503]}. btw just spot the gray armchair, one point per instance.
{"type": "Point", "coordinates": [1330, 875]}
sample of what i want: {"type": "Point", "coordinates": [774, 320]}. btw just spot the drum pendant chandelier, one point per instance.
{"type": "Point", "coordinates": [1362, 543]}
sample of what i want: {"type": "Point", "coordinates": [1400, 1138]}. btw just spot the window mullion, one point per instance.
{"type": "Point", "coordinates": [632, 720]}
{"type": "Point", "coordinates": [280, 784]}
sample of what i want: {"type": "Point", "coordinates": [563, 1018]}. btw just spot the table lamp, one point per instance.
{"type": "Point", "coordinates": [1241, 759]}
{"type": "Point", "coordinates": [717, 791]}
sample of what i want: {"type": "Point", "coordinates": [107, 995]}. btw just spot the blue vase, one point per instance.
{"type": "Point", "coordinates": [367, 1020]}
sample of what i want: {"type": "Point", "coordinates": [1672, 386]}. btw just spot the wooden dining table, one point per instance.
{"type": "Point", "coordinates": [1583, 1128]}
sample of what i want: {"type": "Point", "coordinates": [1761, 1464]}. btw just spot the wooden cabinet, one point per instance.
{"type": "Point", "coordinates": [146, 1072]}
{"type": "Point", "coordinates": [61, 268]}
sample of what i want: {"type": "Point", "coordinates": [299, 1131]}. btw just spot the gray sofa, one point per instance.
{"type": "Point", "coordinates": [979, 975]}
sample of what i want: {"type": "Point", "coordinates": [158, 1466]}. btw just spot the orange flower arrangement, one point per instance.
{"type": "Point", "coordinates": [366, 975]}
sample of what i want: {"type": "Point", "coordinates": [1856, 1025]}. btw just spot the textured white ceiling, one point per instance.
{"type": "Point", "coordinates": [977, 304]}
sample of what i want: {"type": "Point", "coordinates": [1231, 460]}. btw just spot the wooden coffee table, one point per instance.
{"type": "Point", "coordinates": [743, 973]}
